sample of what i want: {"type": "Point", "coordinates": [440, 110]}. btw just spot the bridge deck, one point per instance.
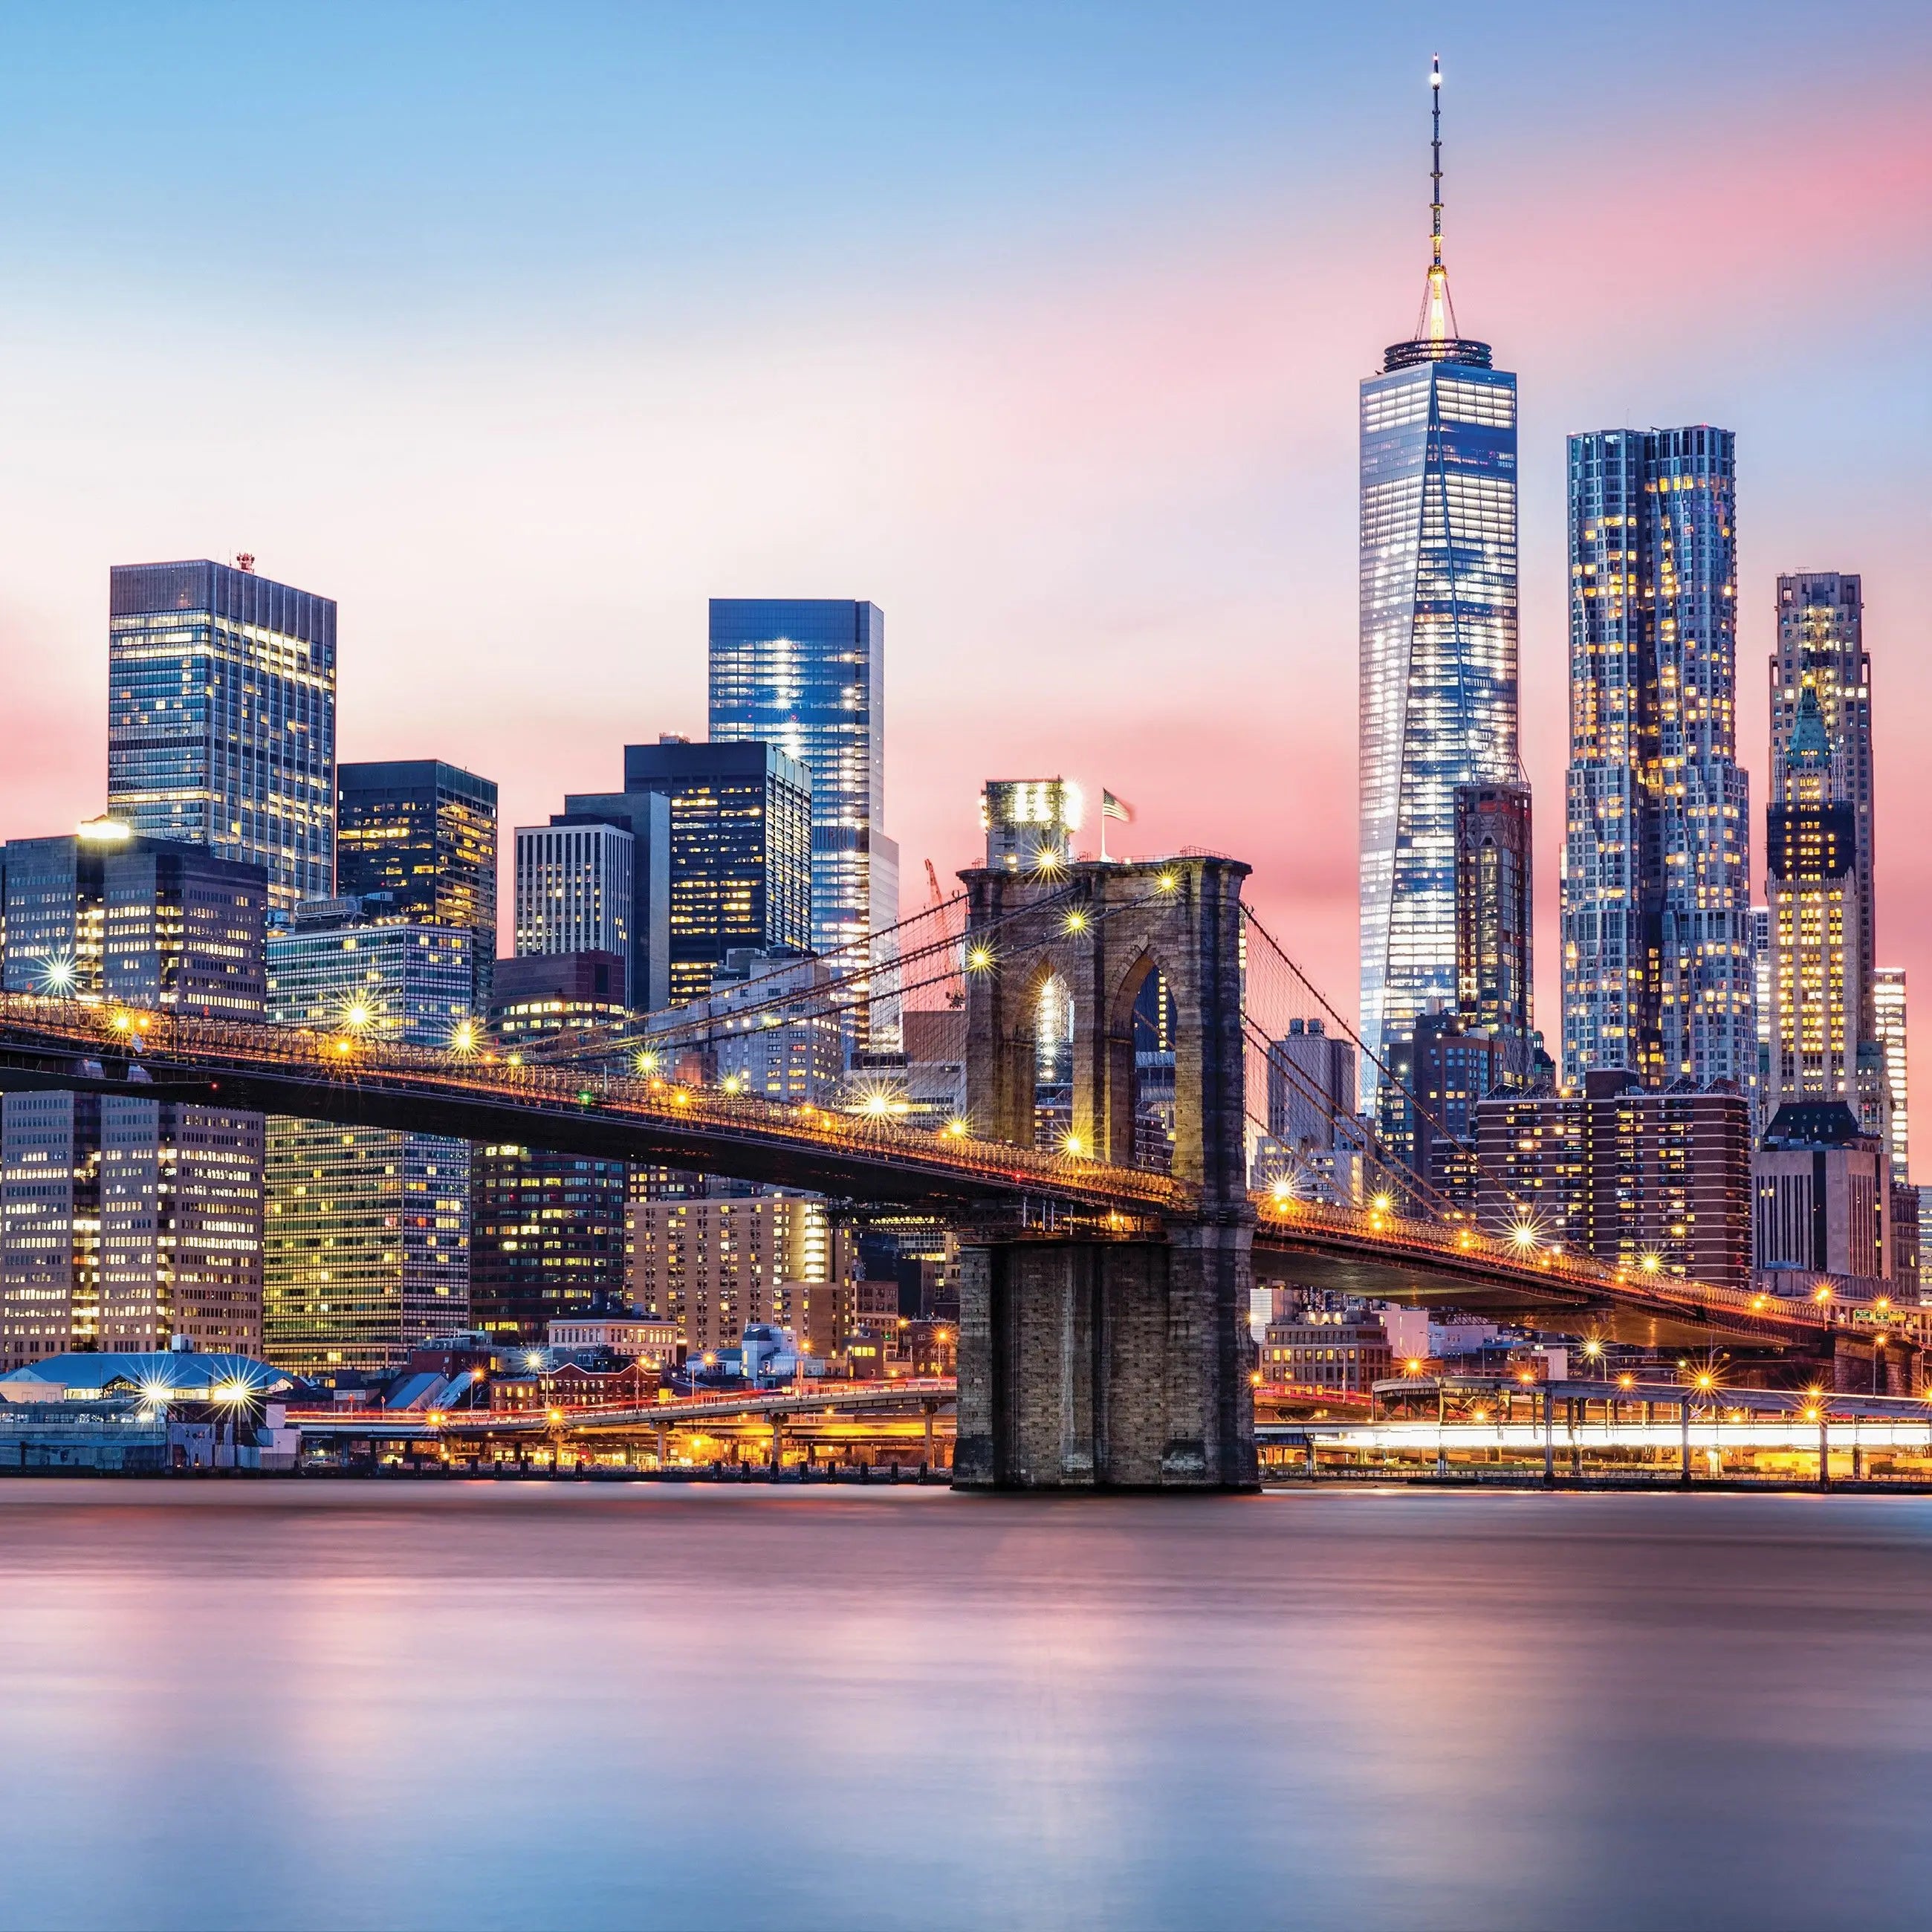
{"type": "Point", "coordinates": [359, 1081]}
{"type": "Point", "coordinates": [362, 1082]}
{"type": "Point", "coordinates": [1382, 1257]}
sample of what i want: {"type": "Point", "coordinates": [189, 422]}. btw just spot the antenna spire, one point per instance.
{"type": "Point", "coordinates": [1436, 158]}
{"type": "Point", "coordinates": [1437, 322]}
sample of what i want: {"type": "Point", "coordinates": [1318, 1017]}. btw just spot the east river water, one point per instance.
{"type": "Point", "coordinates": [389, 1704]}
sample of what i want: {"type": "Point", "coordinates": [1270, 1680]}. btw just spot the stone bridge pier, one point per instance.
{"type": "Point", "coordinates": [1096, 1352]}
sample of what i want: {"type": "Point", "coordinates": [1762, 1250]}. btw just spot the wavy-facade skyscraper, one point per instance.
{"type": "Point", "coordinates": [1438, 639]}
{"type": "Point", "coordinates": [1658, 976]}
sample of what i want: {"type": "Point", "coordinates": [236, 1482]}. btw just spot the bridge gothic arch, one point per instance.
{"type": "Point", "coordinates": [1091, 1357]}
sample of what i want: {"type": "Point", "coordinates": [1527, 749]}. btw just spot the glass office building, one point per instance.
{"type": "Point", "coordinates": [102, 914]}
{"type": "Point", "coordinates": [741, 851]}
{"type": "Point", "coordinates": [807, 675]}
{"type": "Point", "coordinates": [221, 717]}
{"type": "Point", "coordinates": [126, 1221]}
{"type": "Point", "coordinates": [1438, 647]}
{"type": "Point", "coordinates": [1821, 649]}
{"type": "Point", "coordinates": [368, 1243]}
{"type": "Point", "coordinates": [1659, 971]}
{"type": "Point", "coordinates": [422, 834]}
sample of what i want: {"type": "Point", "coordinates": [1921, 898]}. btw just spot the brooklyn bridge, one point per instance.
{"type": "Point", "coordinates": [1104, 1304]}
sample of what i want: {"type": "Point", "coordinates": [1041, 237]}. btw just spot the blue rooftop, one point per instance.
{"type": "Point", "coordinates": [175, 1374]}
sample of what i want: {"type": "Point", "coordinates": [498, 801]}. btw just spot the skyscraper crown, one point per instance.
{"type": "Point", "coordinates": [1435, 339]}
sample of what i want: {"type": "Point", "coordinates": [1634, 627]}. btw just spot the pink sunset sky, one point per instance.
{"type": "Point", "coordinates": [1062, 375]}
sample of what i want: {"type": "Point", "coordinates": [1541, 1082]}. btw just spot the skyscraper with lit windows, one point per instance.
{"type": "Point", "coordinates": [1658, 967]}
{"type": "Point", "coordinates": [367, 1230]}
{"type": "Point", "coordinates": [808, 675]}
{"type": "Point", "coordinates": [1438, 639]}
{"type": "Point", "coordinates": [422, 834]}
{"type": "Point", "coordinates": [1811, 875]}
{"type": "Point", "coordinates": [1821, 649]}
{"type": "Point", "coordinates": [221, 717]}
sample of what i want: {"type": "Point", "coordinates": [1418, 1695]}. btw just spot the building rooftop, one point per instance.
{"type": "Point", "coordinates": [180, 1375]}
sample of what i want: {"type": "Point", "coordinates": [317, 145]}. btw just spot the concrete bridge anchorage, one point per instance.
{"type": "Point", "coordinates": [1109, 1357]}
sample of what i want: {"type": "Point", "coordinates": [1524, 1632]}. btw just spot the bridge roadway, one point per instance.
{"type": "Point", "coordinates": [359, 1082]}
{"type": "Point", "coordinates": [1384, 1257]}
{"type": "Point", "coordinates": [421, 1425]}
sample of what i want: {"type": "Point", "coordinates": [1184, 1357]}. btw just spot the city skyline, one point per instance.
{"type": "Point", "coordinates": [1280, 576]}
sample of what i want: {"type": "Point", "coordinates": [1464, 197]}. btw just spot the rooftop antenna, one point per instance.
{"type": "Point", "coordinates": [1437, 322]}
{"type": "Point", "coordinates": [1436, 158]}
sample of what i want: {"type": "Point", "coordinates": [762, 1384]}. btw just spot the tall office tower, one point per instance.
{"type": "Point", "coordinates": [1658, 970]}
{"type": "Point", "coordinates": [1888, 1014]}
{"type": "Point", "coordinates": [1438, 639]}
{"type": "Point", "coordinates": [1494, 984]}
{"type": "Point", "coordinates": [548, 1230]}
{"type": "Point", "coordinates": [1821, 649]}
{"type": "Point", "coordinates": [221, 717]}
{"type": "Point", "coordinates": [646, 815]}
{"type": "Point", "coordinates": [808, 675]}
{"type": "Point", "coordinates": [423, 834]}
{"type": "Point", "coordinates": [125, 1222]}
{"type": "Point", "coordinates": [1811, 869]}
{"type": "Point", "coordinates": [573, 885]}
{"type": "Point", "coordinates": [741, 855]}
{"type": "Point", "coordinates": [368, 1230]}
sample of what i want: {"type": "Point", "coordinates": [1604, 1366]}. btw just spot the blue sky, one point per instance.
{"type": "Point", "coordinates": [521, 330]}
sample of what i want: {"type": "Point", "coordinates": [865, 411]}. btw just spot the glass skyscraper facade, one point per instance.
{"type": "Point", "coordinates": [1658, 968]}
{"type": "Point", "coordinates": [1438, 647]}
{"type": "Point", "coordinates": [1811, 878]}
{"type": "Point", "coordinates": [807, 675]}
{"type": "Point", "coordinates": [221, 717]}
{"type": "Point", "coordinates": [1821, 649]}
{"type": "Point", "coordinates": [124, 1221]}
{"type": "Point", "coordinates": [741, 851]}
{"type": "Point", "coordinates": [423, 833]}
{"type": "Point", "coordinates": [368, 1243]}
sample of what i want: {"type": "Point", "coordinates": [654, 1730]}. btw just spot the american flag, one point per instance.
{"type": "Point", "coordinates": [1111, 807]}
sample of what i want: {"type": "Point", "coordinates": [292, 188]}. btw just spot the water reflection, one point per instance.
{"type": "Point", "coordinates": [386, 1706]}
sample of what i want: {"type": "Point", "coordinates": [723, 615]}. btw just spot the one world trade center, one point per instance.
{"type": "Point", "coordinates": [1438, 642]}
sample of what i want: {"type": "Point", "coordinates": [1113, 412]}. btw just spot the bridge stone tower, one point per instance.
{"type": "Point", "coordinates": [1109, 1352]}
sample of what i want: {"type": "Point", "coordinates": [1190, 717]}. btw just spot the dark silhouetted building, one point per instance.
{"type": "Point", "coordinates": [741, 856]}
{"type": "Point", "coordinates": [1494, 976]}
{"type": "Point", "coordinates": [548, 1236]}
{"type": "Point", "coordinates": [1823, 1202]}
